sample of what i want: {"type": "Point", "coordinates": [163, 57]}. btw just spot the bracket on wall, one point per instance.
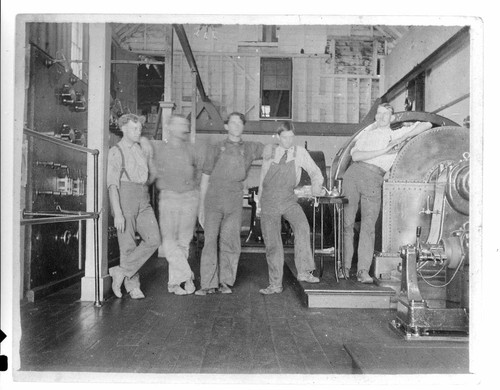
{"type": "Point", "coordinates": [211, 111]}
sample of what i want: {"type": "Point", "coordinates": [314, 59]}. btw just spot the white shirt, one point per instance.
{"type": "Point", "coordinates": [372, 138]}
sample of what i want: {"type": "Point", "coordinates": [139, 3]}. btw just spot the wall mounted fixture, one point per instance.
{"type": "Point", "coordinates": [67, 95]}
{"type": "Point", "coordinates": [80, 103]}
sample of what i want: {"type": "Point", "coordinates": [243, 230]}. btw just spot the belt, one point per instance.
{"type": "Point", "coordinates": [374, 168]}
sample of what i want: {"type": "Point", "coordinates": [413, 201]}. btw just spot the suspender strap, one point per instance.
{"type": "Point", "coordinates": [123, 170]}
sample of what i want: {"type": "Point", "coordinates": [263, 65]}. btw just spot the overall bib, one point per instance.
{"type": "Point", "coordinates": [278, 199]}
{"type": "Point", "coordinates": [223, 214]}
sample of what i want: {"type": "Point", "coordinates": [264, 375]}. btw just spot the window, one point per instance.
{"type": "Point", "coordinates": [77, 49]}
{"type": "Point", "coordinates": [415, 94]}
{"type": "Point", "coordinates": [276, 87]}
{"type": "Point", "coordinates": [269, 33]}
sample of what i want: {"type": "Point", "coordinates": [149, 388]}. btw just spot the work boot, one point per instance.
{"type": "Point", "coordinates": [117, 276]}
{"type": "Point", "coordinates": [224, 289]}
{"type": "Point", "coordinates": [189, 286]}
{"type": "Point", "coordinates": [176, 289]}
{"type": "Point", "coordinates": [271, 290]}
{"type": "Point", "coordinates": [136, 293]}
{"type": "Point", "coordinates": [364, 277]}
{"type": "Point", "coordinates": [203, 291]}
{"type": "Point", "coordinates": [307, 277]}
{"type": "Point", "coordinates": [344, 273]}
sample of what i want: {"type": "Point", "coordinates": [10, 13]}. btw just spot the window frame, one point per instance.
{"type": "Point", "coordinates": [261, 88]}
{"type": "Point", "coordinates": [77, 49]}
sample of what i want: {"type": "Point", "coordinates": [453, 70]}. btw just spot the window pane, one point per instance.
{"type": "Point", "coordinates": [276, 85]}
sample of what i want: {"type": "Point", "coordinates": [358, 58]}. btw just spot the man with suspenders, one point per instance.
{"type": "Point", "coordinates": [280, 174]}
{"type": "Point", "coordinates": [129, 198]}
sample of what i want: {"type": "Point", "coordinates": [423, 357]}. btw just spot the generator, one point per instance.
{"type": "Point", "coordinates": [422, 244]}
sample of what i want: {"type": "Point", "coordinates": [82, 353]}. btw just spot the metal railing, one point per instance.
{"type": "Point", "coordinates": [46, 217]}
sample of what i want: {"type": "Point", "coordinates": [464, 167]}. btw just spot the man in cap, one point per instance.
{"type": "Point", "coordinates": [127, 178]}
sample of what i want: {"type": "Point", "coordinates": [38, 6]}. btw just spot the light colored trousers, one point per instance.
{"type": "Point", "coordinates": [178, 213]}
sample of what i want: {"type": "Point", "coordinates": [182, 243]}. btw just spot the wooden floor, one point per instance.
{"type": "Point", "coordinates": [244, 332]}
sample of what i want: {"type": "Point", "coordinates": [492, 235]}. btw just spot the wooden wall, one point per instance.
{"type": "Point", "coordinates": [333, 80]}
{"type": "Point", "coordinates": [318, 94]}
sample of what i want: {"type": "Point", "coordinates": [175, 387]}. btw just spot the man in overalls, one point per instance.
{"type": "Point", "coordinates": [221, 205]}
{"type": "Point", "coordinates": [280, 174]}
{"type": "Point", "coordinates": [129, 197]}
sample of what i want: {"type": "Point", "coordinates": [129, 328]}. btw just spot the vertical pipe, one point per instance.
{"type": "Point", "coordinates": [193, 105]}
{"type": "Point", "coordinates": [314, 231]}
{"type": "Point", "coordinates": [97, 301]}
{"type": "Point", "coordinates": [335, 241]}
{"type": "Point", "coordinates": [340, 210]}
{"type": "Point", "coordinates": [321, 205]}
{"type": "Point", "coordinates": [167, 105]}
{"type": "Point", "coordinates": [80, 241]}
{"type": "Point", "coordinates": [321, 210]}
{"type": "Point", "coordinates": [169, 61]}
{"type": "Point", "coordinates": [342, 234]}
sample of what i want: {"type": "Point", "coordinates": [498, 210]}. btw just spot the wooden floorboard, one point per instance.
{"type": "Point", "coordinates": [239, 333]}
{"type": "Point", "coordinates": [287, 351]}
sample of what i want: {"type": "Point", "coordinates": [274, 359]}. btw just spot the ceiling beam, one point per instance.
{"type": "Point", "coordinates": [394, 31]}
{"type": "Point", "coordinates": [119, 30]}
{"type": "Point", "coordinates": [450, 46]}
{"type": "Point", "coordinates": [186, 47]}
{"type": "Point", "coordinates": [384, 33]}
{"type": "Point", "coordinates": [127, 33]}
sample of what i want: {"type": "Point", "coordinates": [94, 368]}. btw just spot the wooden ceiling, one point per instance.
{"type": "Point", "coordinates": [123, 33]}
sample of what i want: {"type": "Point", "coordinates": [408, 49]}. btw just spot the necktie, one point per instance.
{"type": "Point", "coordinates": [284, 157]}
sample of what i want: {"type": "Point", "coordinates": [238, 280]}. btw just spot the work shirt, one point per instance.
{"type": "Point", "coordinates": [175, 167]}
{"type": "Point", "coordinates": [136, 164]}
{"type": "Point", "coordinates": [372, 138]}
{"type": "Point", "coordinates": [302, 160]}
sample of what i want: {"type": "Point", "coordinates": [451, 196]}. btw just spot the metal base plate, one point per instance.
{"type": "Point", "coordinates": [400, 330]}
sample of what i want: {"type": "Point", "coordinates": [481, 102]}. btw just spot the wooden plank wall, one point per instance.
{"type": "Point", "coordinates": [334, 68]}
{"type": "Point", "coordinates": [232, 82]}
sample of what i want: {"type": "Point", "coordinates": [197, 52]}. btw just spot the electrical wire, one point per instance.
{"type": "Point", "coordinates": [463, 235]}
